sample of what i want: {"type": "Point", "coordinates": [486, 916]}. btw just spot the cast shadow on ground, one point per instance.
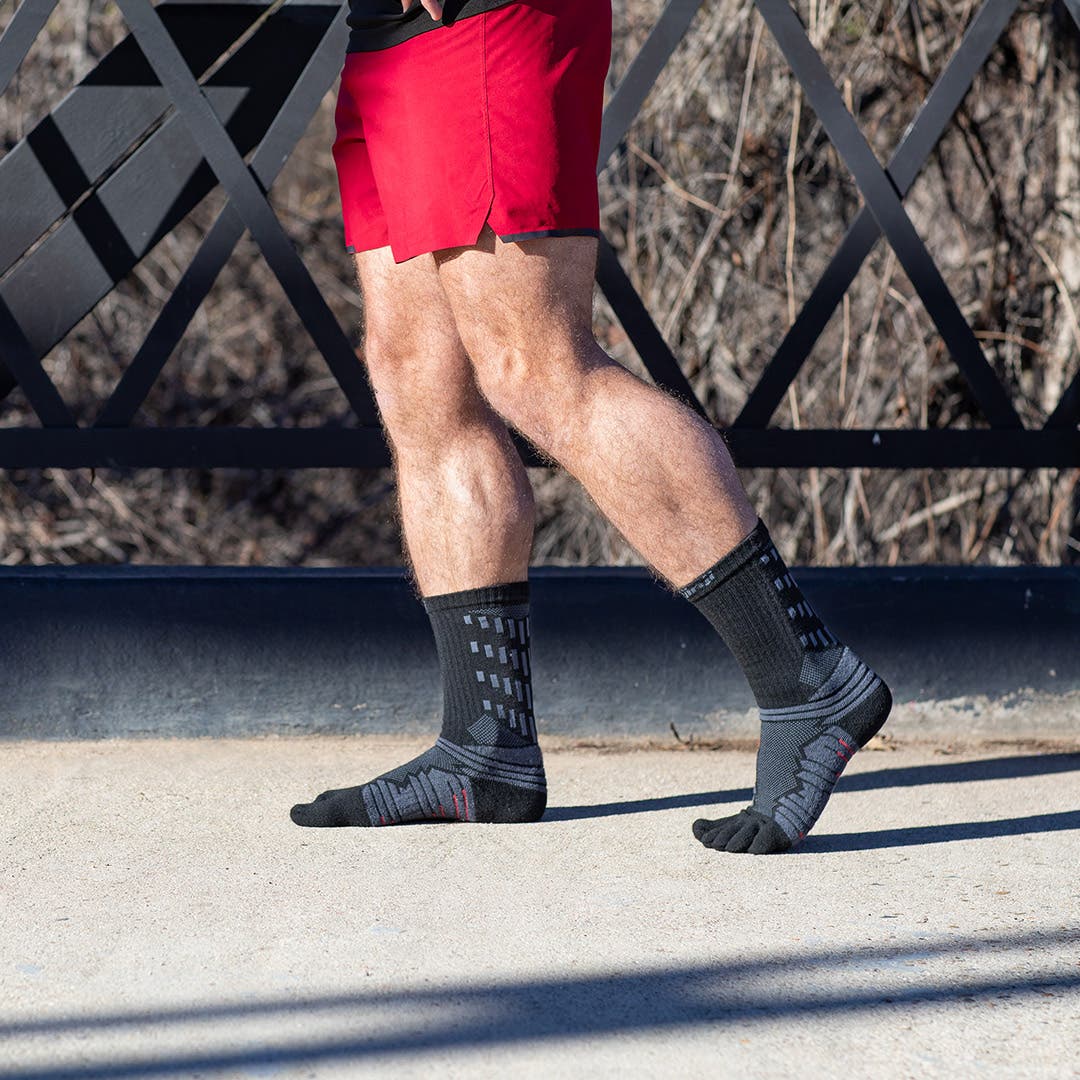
{"type": "Point", "coordinates": [950, 772]}
{"type": "Point", "coordinates": [917, 835]}
{"type": "Point", "coordinates": [377, 1023]}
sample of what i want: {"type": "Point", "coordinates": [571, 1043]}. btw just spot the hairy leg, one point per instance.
{"type": "Point", "coordinates": [467, 514]}
{"type": "Point", "coordinates": [466, 503]}
{"type": "Point", "coordinates": [659, 472]}
{"type": "Point", "coordinates": [664, 477]}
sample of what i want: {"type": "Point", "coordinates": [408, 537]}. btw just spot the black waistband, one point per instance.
{"type": "Point", "coordinates": [381, 24]}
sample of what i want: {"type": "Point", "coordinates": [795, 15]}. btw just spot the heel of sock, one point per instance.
{"type": "Point", "coordinates": [865, 702]}
{"type": "Point", "coordinates": [872, 714]}
{"type": "Point", "coordinates": [853, 697]}
{"type": "Point", "coordinates": [506, 804]}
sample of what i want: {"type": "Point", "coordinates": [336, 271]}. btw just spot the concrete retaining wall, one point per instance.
{"type": "Point", "coordinates": [192, 652]}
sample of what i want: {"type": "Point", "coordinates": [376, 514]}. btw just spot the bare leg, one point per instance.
{"type": "Point", "coordinates": [665, 479]}
{"type": "Point", "coordinates": [659, 472]}
{"type": "Point", "coordinates": [466, 503]}
{"type": "Point", "coordinates": [467, 514]}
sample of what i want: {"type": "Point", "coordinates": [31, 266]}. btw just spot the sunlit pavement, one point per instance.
{"type": "Point", "coordinates": [161, 916]}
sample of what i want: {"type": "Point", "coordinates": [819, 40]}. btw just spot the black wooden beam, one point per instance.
{"type": "Point", "coordinates": [156, 184]}
{"type": "Point", "coordinates": [71, 150]}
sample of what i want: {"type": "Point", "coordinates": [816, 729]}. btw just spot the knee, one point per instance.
{"type": "Point", "coordinates": [385, 354]}
{"type": "Point", "coordinates": [534, 386]}
{"type": "Point", "coordinates": [502, 373]}
{"type": "Point", "coordinates": [412, 380]}
{"type": "Point", "coordinates": [387, 367]}
{"type": "Point", "coordinates": [510, 380]}
{"type": "Point", "coordinates": [427, 394]}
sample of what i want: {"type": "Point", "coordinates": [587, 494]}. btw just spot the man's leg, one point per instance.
{"type": "Point", "coordinates": [665, 479]}
{"type": "Point", "coordinates": [660, 473]}
{"type": "Point", "coordinates": [467, 515]}
{"type": "Point", "coordinates": [466, 504]}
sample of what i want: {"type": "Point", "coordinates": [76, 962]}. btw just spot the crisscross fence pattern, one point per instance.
{"type": "Point", "coordinates": [138, 143]}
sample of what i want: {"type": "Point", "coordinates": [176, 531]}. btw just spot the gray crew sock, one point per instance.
{"type": "Point", "coordinates": [819, 703]}
{"type": "Point", "coordinates": [486, 764]}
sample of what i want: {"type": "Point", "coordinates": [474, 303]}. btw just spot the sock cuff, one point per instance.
{"type": "Point", "coordinates": [743, 552]}
{"type": "Point", "coordinates": [511, 594]}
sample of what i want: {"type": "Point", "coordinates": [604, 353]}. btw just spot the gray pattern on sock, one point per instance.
{"type": "Point", "coordinates": [425, 792]}
{"type": "Point", "coordinates": [486, 764]}
{"type": "Point", "coordinates": [820, 736]}
{"type": "Point", "coordinates": [819, 703]}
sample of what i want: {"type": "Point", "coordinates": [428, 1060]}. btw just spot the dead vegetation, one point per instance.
{"type": "Point", "coordinates": [725, 205]}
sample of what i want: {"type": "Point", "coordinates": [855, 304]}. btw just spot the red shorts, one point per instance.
{"type": "Point", "coordinates": [493, 120]}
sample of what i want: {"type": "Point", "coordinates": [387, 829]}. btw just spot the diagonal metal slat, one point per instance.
{"type": "Point", "coordinates": [121, 87]}
{"type": "Point", "coordinates": [154, 182]}
{"type": "Point", "coordinates": [640, 77]}
{"type": "Point", "coordinates": [903, 169]}
{"type": "Point", "coordinates": [27, 22]}
{"type": "Point", "coordinates": [621, 110]}
{"type": "Point", "coordinates": [218, 244]}
{"type": "Point", "coordinates": [39, 389]}
{"type": "Point", "coordinates": [885, 204]}
{"type": "Point", "coordinates": [80, 261]}
{"type": "Point", "coordinates": [640, 328]}
{"type": "Point", "coordinates": [247, 198]}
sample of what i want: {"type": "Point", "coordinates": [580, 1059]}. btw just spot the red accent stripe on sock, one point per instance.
{"type": "Point", "coordinates": [457, 809]}
{"type": "Point", "coordinates": [466, 798]}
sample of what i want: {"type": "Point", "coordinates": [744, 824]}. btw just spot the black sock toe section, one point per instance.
{"type": "Point", "coordinates": [311, 815]}
{"type": "Point", "coordinates": [701, 827]}
{"type": "Point", "coordinates": [708, 837]}
{"type": "Point", "coordinates": [770, 838]}
{"type": "Point", "coordinates": [306, 814]}
{"type": "Point", "coordinates": [332, 809]}
{"type": "Point", "coordinates": [748, 831]}
{"type": "Point", "coordinates": [743, 836]}
{"type": "Point", "coordinates": [722, 831]}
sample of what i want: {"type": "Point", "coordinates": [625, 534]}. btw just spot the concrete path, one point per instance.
{"type": "Point", "coordinates": [161, 916]}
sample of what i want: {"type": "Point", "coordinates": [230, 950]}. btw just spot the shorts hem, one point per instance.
{"type": "Point", "coordinates": [407, 252]}
{"type": "Point", "coordinates": [361, 246]}
{"type": "Point", "coordinates": [539, 234]}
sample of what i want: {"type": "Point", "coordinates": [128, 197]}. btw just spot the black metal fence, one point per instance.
{"type": "Point", "coordinates": [127, 155]}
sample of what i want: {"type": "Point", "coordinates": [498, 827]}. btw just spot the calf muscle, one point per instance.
{"type": "Point", "coordinates": [660, 473]}
{"type": "Point", "coordinates": [465, 500]}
